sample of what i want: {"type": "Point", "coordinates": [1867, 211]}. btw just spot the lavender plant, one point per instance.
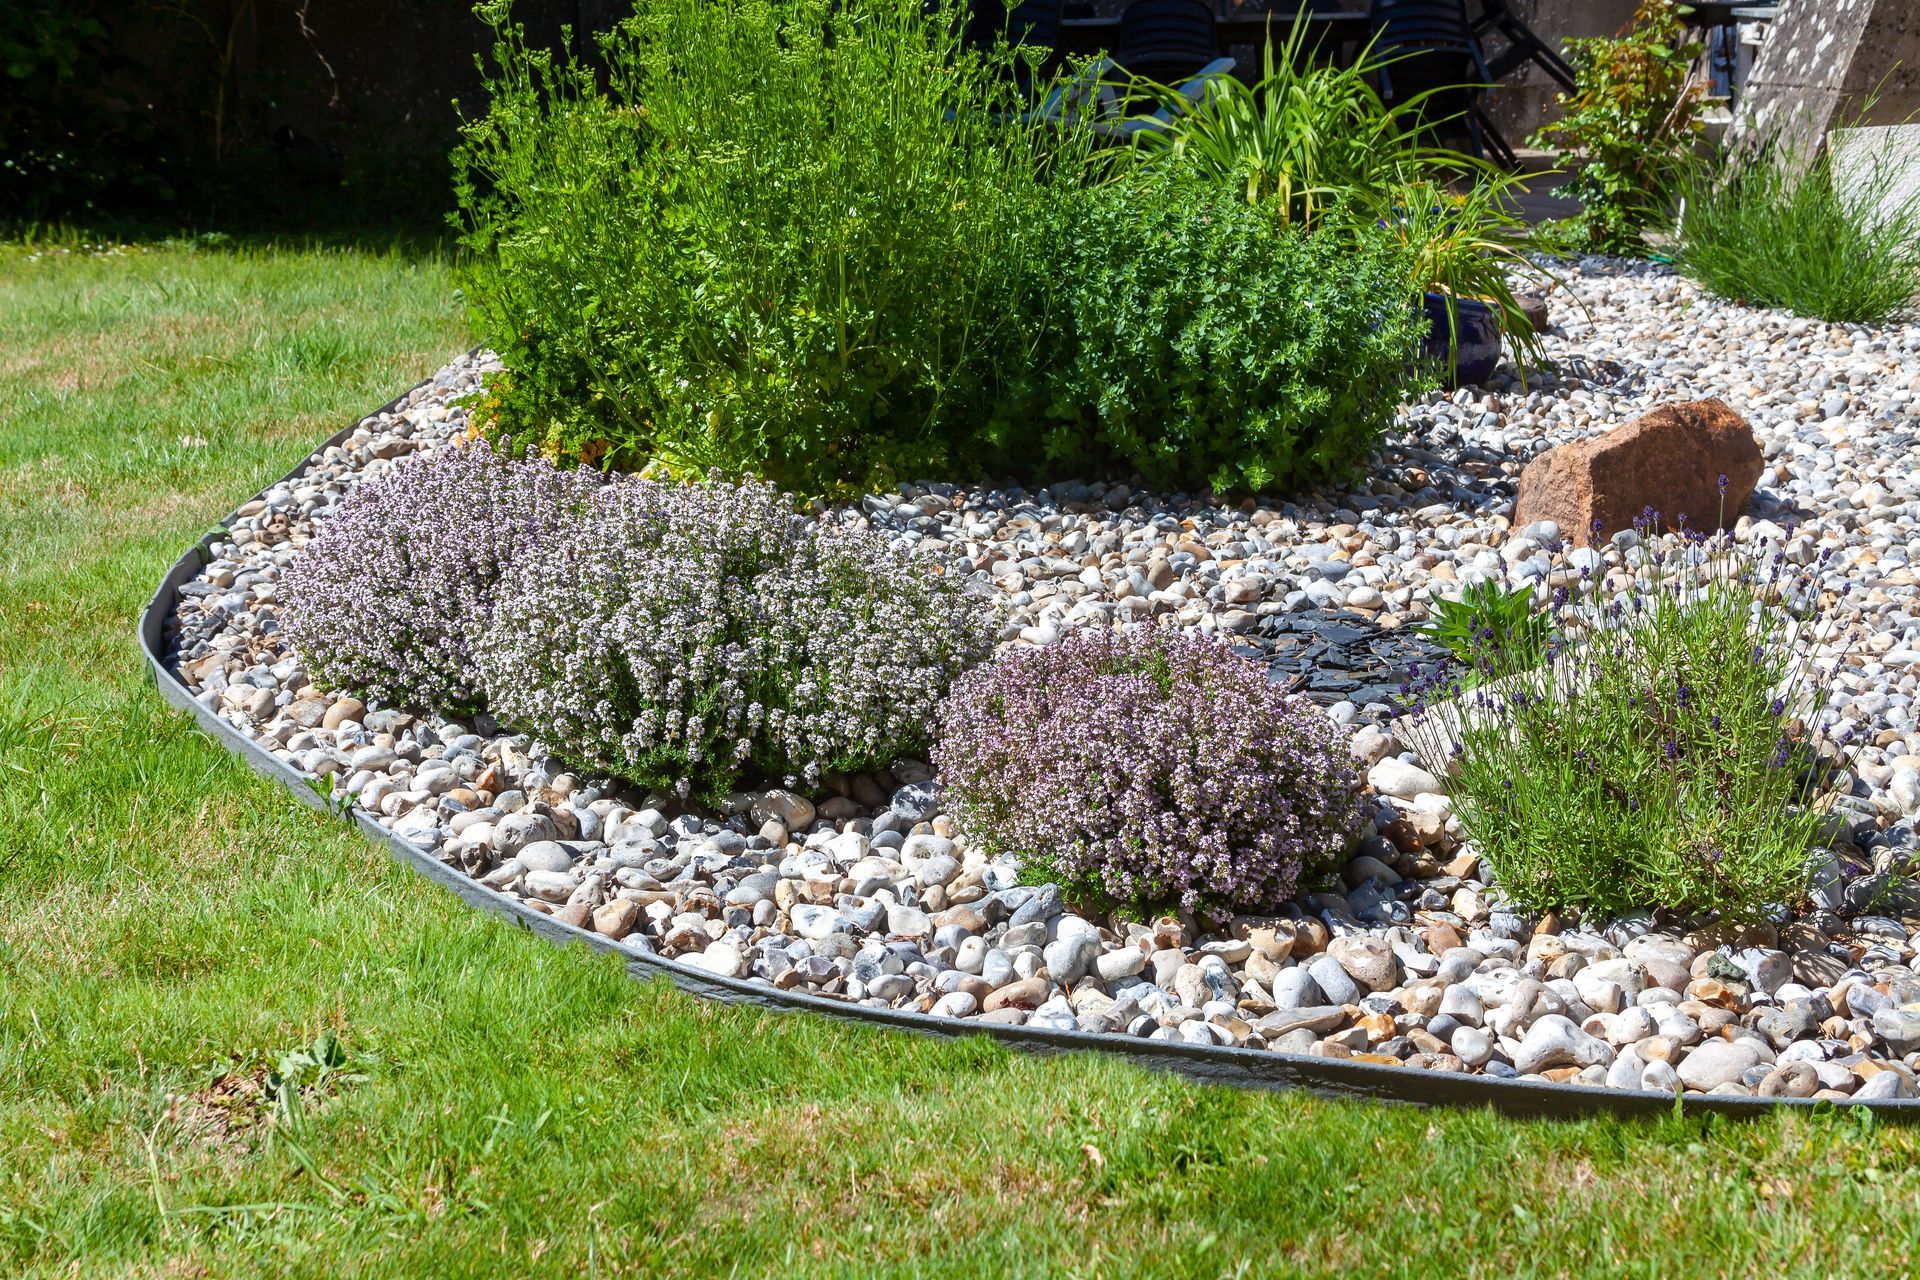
{"type": "Point", "coordinates": [681, 635]}
{"type": "Point", "coordinates": [386, 601]}
{"type": "Point", "coordinates": [1673, 750]}
{"type": "Point", "coordinates": [1147, 768]}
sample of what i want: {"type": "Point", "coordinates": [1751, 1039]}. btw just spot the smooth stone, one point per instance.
{"type": "Point", "coordinates": [1070, 958]}
{"type": "Point", "coordinates": [1333, 979]}
{"type": "Point", "coordinates": [1368, 961]}
{"type": "Point", "coordinates": [1394, 777]}
{"type": "Point", "coordinates": [1717, 1062]}
{"type": "Point", "coordinates": [1112, 966]}
{"type": "Point", "coordinates": [1295, 989]}
{"type": "Point", "coordinates": [1553, 1040]}
{"type": "Point", "coordinates": [546, 855]}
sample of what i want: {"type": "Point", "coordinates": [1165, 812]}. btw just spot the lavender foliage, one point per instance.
{"type": "Point", "coordinates": [1148, 767]}
{"type": "Point", "coordinates": [681, 636]}
{"type": "Point", "coordinates": [1670, 747]}
{"type": "Point", "coordinates": [387, 599]}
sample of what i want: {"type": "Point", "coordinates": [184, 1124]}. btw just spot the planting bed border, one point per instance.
{"type": "Point", "coordinates": [1246, 1068]}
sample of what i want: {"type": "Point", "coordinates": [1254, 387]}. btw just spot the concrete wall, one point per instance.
{"type": "Point", "coordinates": [1823, 63]}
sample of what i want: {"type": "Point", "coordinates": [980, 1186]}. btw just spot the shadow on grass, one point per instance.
{"type": "Point", "coordinates": [397, 204]}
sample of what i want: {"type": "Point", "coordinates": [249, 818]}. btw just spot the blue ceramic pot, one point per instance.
{"type": "Point", "coordinates": [1475, 350]}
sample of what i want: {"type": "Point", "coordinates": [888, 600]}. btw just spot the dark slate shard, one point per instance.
{"type": "Point", "coordinates": [1339, 656]}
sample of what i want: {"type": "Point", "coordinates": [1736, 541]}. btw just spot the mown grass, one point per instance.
{"type": "Point", "coordinates": [170, 924]}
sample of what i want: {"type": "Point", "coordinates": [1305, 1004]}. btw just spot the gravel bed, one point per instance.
{"type": "Point", "coordinates": [867, 893]}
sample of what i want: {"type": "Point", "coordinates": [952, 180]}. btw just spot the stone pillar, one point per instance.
{"type": "Point", "coordinates": [1822, 63]}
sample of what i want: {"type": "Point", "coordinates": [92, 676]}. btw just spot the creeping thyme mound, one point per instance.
{"type": "Point", "coordinates": [684, 635]}
{"type": "Point", "coordinates": [1148, 767]}
{"type": "Point", "coordinates": [388, 599]}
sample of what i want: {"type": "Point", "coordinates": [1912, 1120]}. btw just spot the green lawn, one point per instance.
{"type": "Point", "coordinates": [170, 926]}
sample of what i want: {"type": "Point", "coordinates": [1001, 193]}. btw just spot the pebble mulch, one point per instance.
{"type": "Point", "coordinates": [867, 893]}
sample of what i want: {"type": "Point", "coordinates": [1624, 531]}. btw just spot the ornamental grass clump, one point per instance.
{"type": "Point", "coordinates": [1673, 750]}
{"type": "Point", "coordinates": [388, 599]}
{"type": "Point", "coordinates": [1148, 768]}
{"type": "Point", "coordinates": [685, 635]}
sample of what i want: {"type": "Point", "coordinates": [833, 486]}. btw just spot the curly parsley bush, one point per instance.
{"type": "Point", "coordinates": [1148, 767]}
{"type": "Point", "coordinates": [684, 635]}
{"type": "Point", "coordinates": [388, 598]}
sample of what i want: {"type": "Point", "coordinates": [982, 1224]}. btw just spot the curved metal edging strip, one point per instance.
{"type": "Point", "coordinates": [1246, 1068]}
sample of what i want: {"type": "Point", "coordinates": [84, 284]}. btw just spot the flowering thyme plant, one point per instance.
{"type": "Point", "coordinates": [1673, 749]}
{"type": "Point", "coordinates": [387, 600]}
{"type": "Point", "coordinates": [1146, 768]}
{"type": "Point", "coordinates": [681, 635]}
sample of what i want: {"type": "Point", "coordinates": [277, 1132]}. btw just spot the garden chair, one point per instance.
{"type": "Point", "coordinates": [1430, 50]}
{"type": "Point", "coordinates": [1168, 41]}
{"type": "Point", "coordinates": [1523, 46]}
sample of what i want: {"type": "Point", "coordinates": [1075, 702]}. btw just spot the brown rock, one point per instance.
{"type": "Point", "coordinates": [1442, 938]}
{"type": "Point", "coordinates": [342, 711]}
{"type": "Point", "coordinates": [1027, 993]}
{"type": "Point", "coordinates": [617, 919]}
{"type": "Point", "coordinates": [1405, 837]}
{"type": "Point", "coordinates": [1378, 1026]}
{"type": "Point", "coordinates": [574, 913]}
{"type": "Point", "coordinates": [1534, 308]}
{"type": "Point", "coordinates": [1272, 942]}
{"type": "Point", "coordinates": [839, 808]}
{"type": "Point", "coordinates": [1670, 460]}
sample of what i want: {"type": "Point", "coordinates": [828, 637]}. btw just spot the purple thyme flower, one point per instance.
{"type": "Point", "coordinates": [1148, 766]}
{"type": "Point", "coordinates": [388, 599]}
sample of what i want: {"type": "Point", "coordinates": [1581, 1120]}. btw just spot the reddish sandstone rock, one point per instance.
{"type": "Point", "coordinates": [1669, 460]}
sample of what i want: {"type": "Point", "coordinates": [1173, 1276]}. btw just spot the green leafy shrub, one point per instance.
{"type": "Point", "coordinates": [1313, 143]}
{"type": "Point", "coordinates": [785, 237]}
{"type": "Point", "coordinates": [1670, 750]}
{"type": "Point", "coordinates": [1629, 127]}
{"type": "Point", "coordinates": [1206, 342]}
{"type": "Point", "coordinates": [1489, 629]}
{"type": "Point", "coordinates": [1771, 229]}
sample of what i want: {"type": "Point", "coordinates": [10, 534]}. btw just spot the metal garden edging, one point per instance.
{"type": "Point", "coordinates": [1247, 1068]}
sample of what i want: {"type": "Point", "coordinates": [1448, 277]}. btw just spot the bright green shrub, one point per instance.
{"type": "Point", "coordinates": [1206, 342]}
{"type": "Point", "coordinates": [1629, 127]}
{"type": "Point", "coordinates": [785, 238]}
